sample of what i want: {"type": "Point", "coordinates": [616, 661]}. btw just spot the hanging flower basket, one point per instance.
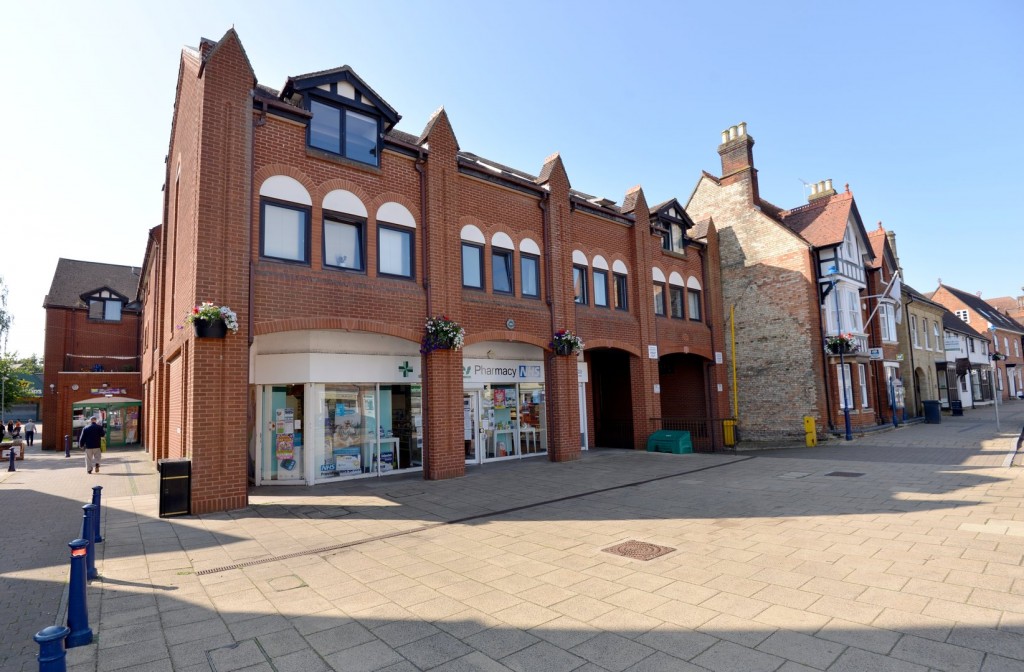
{"type": "Point", "coordinates": [566, 343]}
{"type": "Point", "coordinates": [442, 334]}
{"type": "Point", "coordinates": [843, 344]}
{"type": "Point", "coordinates": [211, 321]}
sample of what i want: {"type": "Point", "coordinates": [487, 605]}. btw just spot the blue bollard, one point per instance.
{"type": "Point", "coordinates": [97, 493]}
{"type": "Point", "coordinates": [78, 612]}
{"type": "Point", "coordinates": [88, 533]}
{"type": "Point", "coordinates": [10, 467]}
{"type": "Point", "coordinates": [67, 446]}
{"type": "Point", "coordinates": [51, 648]}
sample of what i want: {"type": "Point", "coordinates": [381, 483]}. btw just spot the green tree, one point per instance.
{"type": "Point", "coordinates": [12, 387]}
{"type": "Point", "coordinates": [30, 364]}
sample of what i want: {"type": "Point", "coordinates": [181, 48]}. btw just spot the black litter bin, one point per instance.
{"type": "Point", "coordinates": [175, 487]}
{"type": "Point", "coordinates": [932, 411]}
{"type": "Point", "coordinates": [956, 406]}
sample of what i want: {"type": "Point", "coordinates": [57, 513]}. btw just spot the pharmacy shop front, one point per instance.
{"type": "Point", "coordinates": [504, 409]}
{"type": "Point", "coordinates": [326, 417]}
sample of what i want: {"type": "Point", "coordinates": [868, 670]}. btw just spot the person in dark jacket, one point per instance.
{"type": "Point", "coordinates": [92, 440]}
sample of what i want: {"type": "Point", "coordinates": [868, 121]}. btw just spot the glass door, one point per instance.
{"type": "Point", "coordinates": [472, 432]}
{"type": "Point", "coordinates": [282, 433]}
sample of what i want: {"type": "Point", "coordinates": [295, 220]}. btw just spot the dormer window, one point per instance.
{"type": "Point", "coordinates": [347, 118]}
{"type": "Point", "coordinates": [344, 132]}
{"type": "Point", "coordinates": [104, 305]}
{"type": "Point", "coordinates": [671, 222]}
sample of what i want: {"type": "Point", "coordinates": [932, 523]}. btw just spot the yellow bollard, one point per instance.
{"type": "Point", "coordinates": [729, 432]}
{"type": "Point", "coordinates": [811, 431]}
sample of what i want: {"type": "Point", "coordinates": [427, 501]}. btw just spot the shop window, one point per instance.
{"type": "Point", "coordinates": [344, 132]}
{"type": "Point", "coordinates": [659, 299]}
{"type": "Point", "coordinates": [394, 251]}
{"type": "Point", "coordinates": [344, 242]}
{"type": "Point", "coordinates": [501, 271]}
{"type": "Point", "coordinates": [600, 288]}
{"type": "Point", "coordinates": [693, 304]}
{"type": "Point", "coordinates": [472, 265]}
{"type": "Point", "coordinates": [675, 295]}
{"type": "Point", "coordinates": [284, 231]}
{"type": "Point", "coordinates": [529, 269]}
{"type": "Point", "coordinates": [621, 302]}
{"type": "Point", "coordinates": [579, 284]}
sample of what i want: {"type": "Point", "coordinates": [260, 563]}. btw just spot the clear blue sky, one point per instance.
{"type": "Point", "coordinates": [915, 104]}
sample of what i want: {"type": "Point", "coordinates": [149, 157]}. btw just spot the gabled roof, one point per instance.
{"type": "Point", "coordinates": [954, 323]}
{"type": "Point", "coordinates": [921, 298]}
{"type": "Point", "coordinates": [313, 80]}
{"type": "Point", "coordinates": [879, 242]}
{"type": "Point", "coordinates": [700, 229]}
{"type": "Point", "coordinates": [1005, 304]}
{"type": "Point", "coordinates": [983, 308]}
{"type": "Point", "coordinates": [74, 278]}
{"type": "Point", "coordinates": [822, 222]}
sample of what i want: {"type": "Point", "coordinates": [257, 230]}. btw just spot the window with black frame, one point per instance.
{"type": "Point", "coordinates": [675, 295]}
{"type": "Point", "coordinates": [394, 250]}
{"type": "Point", "coordinates": [579, 284]}
{"type": "Point", "coordinates": [284, 231]}
{"type": "Point", "coordinates": [344, 132]}
{"type": "Point", "coordinates": [529, 271]}
{"type": "Point", "coordinates": [600, 288]}
{"type": "Point", "coordinates": [472, 266]}
{"type": "Point", "coordinates": [620, 296]}
{"type": "Point", "coordinates": [502, 281]}
{"type": "Point", "coordinates": [659, 299]}
{"type": "Point", "coordinates": [693, 307]}
{"type": "Point", "coordinates": [344, 242]}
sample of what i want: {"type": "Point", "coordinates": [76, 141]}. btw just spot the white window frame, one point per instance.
{"type": "Point", "coordinates": [939, 344]}
{"type": "Point", "coordinates": [887, 321]}
{"type": "Point", "coordinates": [862, 371]}
{"type": "Point", "coordinates": [927, 335]}
{"type": "Point", "coordinates": [849, 385]}
{"type": "Point", "coordinates": [913, 332]}
{"type": "Point", "coordinates": [964, 315]}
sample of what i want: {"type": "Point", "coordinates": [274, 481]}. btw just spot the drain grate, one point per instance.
{"type": "Point", "coordinates": [844, 474]}
{"type": "Point", "coordinates": [638, 550]}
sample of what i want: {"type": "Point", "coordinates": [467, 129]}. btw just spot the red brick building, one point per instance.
{"type": "Point", "coordinates": [1005, 333]}
{"type": "Point", "coordinates": [778, 271]}
{"type": "Point", "coordinates": [334, 237]}
{"type": "Point", "coordinates": [90, 357]}
{"type": "Point", "coordinates": [883, 301]}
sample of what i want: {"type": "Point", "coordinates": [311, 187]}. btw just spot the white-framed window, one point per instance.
{"type": "Point", "coordinates": [843, 375]}
{"type": "Point", "coordinates": [935, 334]}
{"type": "Point", "coordinates": [1016, 348]}
{"type": "Point", "coordinates": [913, 331]}
{"type": "Point", "coordinates": [1006, 345]}
{"type": "Point", "coordinates": [853, 317]}
{"type": "Point", "coordinates": [887, 320]}
{"type": "Point", "coordinates": [862, 374]}
{"type": "Point", "coordinates": [964, 315]}
{"type": "Point", "coordinates": [927, 336]}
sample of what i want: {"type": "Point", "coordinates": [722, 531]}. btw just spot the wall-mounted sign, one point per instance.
{"type": "Point", "coordinates": [952, 342]}
{"type": "Point", "coordinates": [108, 390]}
{"type": "Point", "coordinates": [652, 352]}
{"type": "Point", "coordinates": [718, 358]}
{"type": "Point", "coordinates": [875, 353]}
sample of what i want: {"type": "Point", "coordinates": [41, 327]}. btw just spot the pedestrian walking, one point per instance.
{"type": "Point", "coordinates": [30, 432]}
{"type": "Point", "coordinates": [92, 440]}
{"type": "Point", "coordinates": [10, 427]}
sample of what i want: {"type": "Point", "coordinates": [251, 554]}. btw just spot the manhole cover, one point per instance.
{"type": "Point", "coordinates": [638, 550]}
{"type": "Point", "coordinates": [844, 474]}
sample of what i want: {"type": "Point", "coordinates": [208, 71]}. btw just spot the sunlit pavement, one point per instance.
{"type": "Point", "coordinates": [900, 550]}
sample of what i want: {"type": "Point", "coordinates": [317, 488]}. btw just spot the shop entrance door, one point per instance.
{"type": "Point", "coordinates": [472, 432]}
{"type": "Point", "coordinates": [282, 433]}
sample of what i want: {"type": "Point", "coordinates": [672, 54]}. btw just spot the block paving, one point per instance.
{"type": "Point", "coordinates": [916, 565]}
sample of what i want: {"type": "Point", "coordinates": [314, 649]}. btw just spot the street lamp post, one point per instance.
{"type": "Point", "coordinates": [842, 359]}
{"type": "Point", "coordinates": [995, 380]}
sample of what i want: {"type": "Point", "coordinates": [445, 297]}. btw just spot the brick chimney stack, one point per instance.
{"type": "Point", "coordinates": [891, 237]}
{"type": "Point", "coordinates": [737, 152]}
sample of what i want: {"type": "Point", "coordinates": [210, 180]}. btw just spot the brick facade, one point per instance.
{"type": "Point", "coordinates": [227, 144]}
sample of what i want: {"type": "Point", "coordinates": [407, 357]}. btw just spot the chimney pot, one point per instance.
{"type": "Point", "coordinates": [814, 189]}
{"type": "Point", "coordinates": [743, 128]}
{"type": "Point", "coordinates": [828, 185]}
{"type": "Point", "coordinates": [732, 132]}
{"type": "Point", "coordinates": [725, 136]}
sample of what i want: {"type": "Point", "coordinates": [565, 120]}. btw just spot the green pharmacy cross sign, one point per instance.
{"type": "Point", "coordinates": [405, 369]}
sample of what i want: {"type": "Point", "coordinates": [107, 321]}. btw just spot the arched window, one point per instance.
{"type": "Point", "coordinates": [344, 231]}
{"type": "Point", "coordinates": [473, 242]}
{"type": "Point", "coordinates": [396, 228]}
{"type": "Point", "coordinates": [285, 208]}
{"type": "Point", "coordinates": [529, 268]}
{"type": "Point", "coordinates": [693, 299]}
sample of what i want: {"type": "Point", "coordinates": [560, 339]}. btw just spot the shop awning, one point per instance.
{"type": "Point", "coordinates": [107, 401]}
